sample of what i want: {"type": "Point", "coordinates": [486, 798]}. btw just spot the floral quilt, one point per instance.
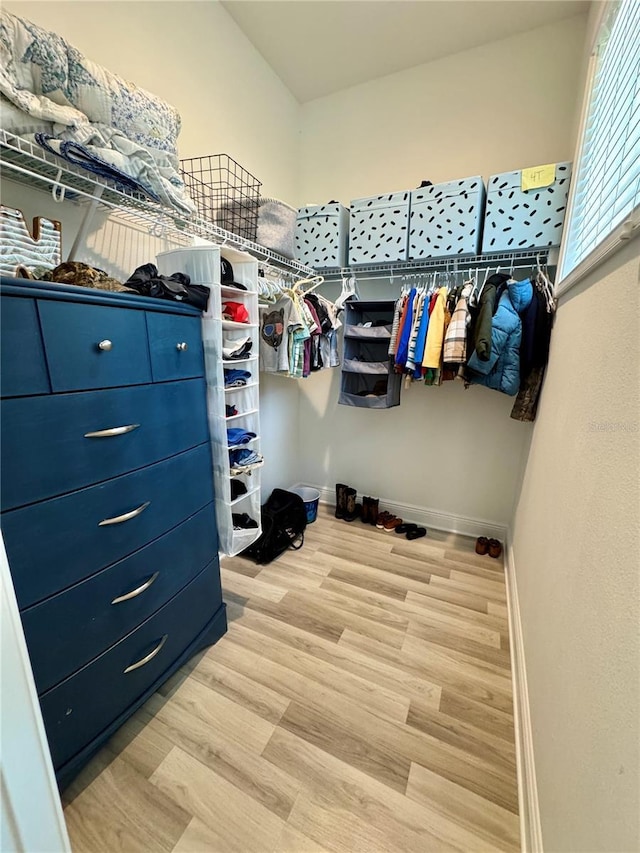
{"type": "Point", "coordinates": [49, 88]}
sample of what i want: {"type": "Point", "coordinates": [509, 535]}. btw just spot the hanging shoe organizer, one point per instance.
{"type": "Point", "coordinates": [368, 379]}
{"type": "Point", "coordinates": [231, 367]}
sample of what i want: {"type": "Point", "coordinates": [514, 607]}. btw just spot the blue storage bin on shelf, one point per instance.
{"type": "Point", "coordinates": [446, 219]}
{"type": "Point", "coordinates": [518, 219]}
{"type": "Point", "coordinates": [379, 228]}
{"type": "Point", "coordinates": [322, 234]}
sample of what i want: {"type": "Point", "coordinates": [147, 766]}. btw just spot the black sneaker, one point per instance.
{"type": "Point", "coordinates": [237, 488]}
{"type": "Point", "coordinates": [231, 411]}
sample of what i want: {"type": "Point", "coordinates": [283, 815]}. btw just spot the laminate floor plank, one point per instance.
{"type": "Point", "coordinates": [140, 818]}
{"type": "Point", "coordinates": [492, 824]}
{"type": "Point", "coordinates": [436, 670]}
{"type": "Point", "coordinates": [250, 587]}
{"type": "Point", "coordinates": [257, 698]}
{"type": "Point", "coordinates": [378, 759]}
{"type": "Point", "coordinates": [241, 725]}
{"type": "Point", "coordinates": [371, 669]}
{"type": "Point", "coordinates": [235, 822]}
{"type": "Point", "coordinates": [378, 699]}
{"type": "Point", "coordinates": [372, 577]}
{"type": "Point", "coordinates": [360, 702]}
{"type": "Point", "coordinates": [451, 638]}
{"type": "Point", "coordinates": [344, 809]}
{"type": "Point", "coordinates": [245, 770]}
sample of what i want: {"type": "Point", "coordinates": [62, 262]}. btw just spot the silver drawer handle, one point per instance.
{"type": "Point", "coordinates": [107, 433]}
{"type": "Point", "coordinates": [148, 657]}
{"type": "Point", "coordinates": [126, 517]}
{"type": "Point", "coordinates": [182, 347]}
{"type": "Point", "coordinates": [137, 591]}
{"type": "Point", "coordinates": [105, 346]}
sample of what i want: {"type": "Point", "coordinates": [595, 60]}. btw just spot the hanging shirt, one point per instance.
{"type": "Point", "coordinates": [455, 340]}
{"type": "Point", "coordinates": [397, 316]}
{"type": "Point", "coordinates": [419, 308]}
{"type": "Point", "coordinates": [276, 323]}
{"type": "Point", "coordinates": [435, 335]}
{"type": "Point", "coordinates": [421, 337]}
{"type": "Point", "coordinates": [403, 339]}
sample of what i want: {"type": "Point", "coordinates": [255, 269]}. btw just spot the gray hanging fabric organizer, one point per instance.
{"type": "Point", "coordinates": [368, 378]}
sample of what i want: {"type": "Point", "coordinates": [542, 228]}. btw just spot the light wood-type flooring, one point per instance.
{"type": "Point", "coordinates": [361, 701]}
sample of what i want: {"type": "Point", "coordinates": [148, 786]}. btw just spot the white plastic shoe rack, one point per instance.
{"type": "Point", "coordinates": [202, 264]}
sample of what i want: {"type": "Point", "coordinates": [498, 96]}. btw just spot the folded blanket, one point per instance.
{"type": "Point", "coordinates": [81, 155]}
{"type": "Point", "coordinates": [113, 121]}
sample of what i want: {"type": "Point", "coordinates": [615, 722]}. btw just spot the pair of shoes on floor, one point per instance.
{"type": "Point", "coordinates": [412, 531]}
{"type": "Point", "coordinates": [492, 547]}
{"type": "Point", "coordinates": [387, 521]}
{"type": "Point", "coordinates": [346, 506]}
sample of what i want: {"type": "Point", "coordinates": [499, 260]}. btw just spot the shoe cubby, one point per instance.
{"type": "Point", "coordinates": [202, 264]}
{"type": "Point", "coordinates": [368, 380]}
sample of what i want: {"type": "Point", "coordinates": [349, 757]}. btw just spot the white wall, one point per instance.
{"type": "Point", "coordinates": [502, 106]}
{"type": "Point", "coordinates": [576, 541]}
{"type": "Point", "coordinates": [193, 55]}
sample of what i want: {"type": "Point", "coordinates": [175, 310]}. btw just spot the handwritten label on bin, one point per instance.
{"type": "Point", "coordinates": [538, 176]}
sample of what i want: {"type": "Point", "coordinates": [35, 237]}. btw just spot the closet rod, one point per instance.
{"type": "Point", "coordinates": [452, 264]}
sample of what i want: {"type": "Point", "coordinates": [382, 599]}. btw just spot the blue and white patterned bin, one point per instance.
{"type": "Point", "coordinates": [446, 219]}
{"type": "Point", "coordinates": [379, 228]}
{"type": "Point", "coordinates": [322, 234]}
{"type": "Point", "coordinates": [518, 219]}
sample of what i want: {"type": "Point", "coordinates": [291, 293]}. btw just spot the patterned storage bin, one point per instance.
{"type": "Point", "coordinates": [446, 219]}
{"type": "Point", "coordinates": [519, 219]}
{"type": "Point", "coordinates": [322, 233]}
{"type": "Point", "coordinates": [379, 228]}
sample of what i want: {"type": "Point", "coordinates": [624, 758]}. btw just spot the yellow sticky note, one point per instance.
{"type": "Point", "coordinates": [538, 176]}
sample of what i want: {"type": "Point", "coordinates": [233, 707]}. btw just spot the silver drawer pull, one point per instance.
{"type": "Point", "coordinates": [137, 591]}
{"type": "Point", "coordinates": [182, 347]}
{"type": "Point", "coordinates": [105, 346]}
{"type": "Point", "coordinates": [107, 433]}
{"type": "Point", "coordinates": [148, 657]}
{"type": "Point", "coordinates": [126, 517]}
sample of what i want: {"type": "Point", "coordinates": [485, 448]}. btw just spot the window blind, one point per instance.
{"type": "Point", "coordinates": [607, 177]}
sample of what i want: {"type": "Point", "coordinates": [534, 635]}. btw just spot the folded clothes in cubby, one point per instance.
{"type": "Point", "coordinates": [236, 378]}
{"type": "Point", "coordinates": [236, 436]}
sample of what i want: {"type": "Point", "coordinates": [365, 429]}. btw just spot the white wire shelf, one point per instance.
{"type": "Point", "coordinates": [27, 163]}
{"type": "Point", "coordinates": [451, 264]}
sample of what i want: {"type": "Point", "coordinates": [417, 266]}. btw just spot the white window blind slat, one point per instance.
{"type": "Point", "coordinates": [607, 177]}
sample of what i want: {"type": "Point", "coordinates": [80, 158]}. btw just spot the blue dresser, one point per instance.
{"type": "Point", "coordinates": [106, 499]}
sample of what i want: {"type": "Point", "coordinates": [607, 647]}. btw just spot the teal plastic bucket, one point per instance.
{"type": "Point", "coordinates": [311, 498]}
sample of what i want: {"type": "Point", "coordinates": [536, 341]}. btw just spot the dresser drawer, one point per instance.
{"type": "Point", "coordinates": [24, 370]}
{"type": "Point", "coordinates": [57, 443]}
{"type": "Point", "coordinates": [94, 346]}
{"type": "Point", "coordinates": [56, 543]}
{"type": "Point", "coordinates": [78, 709]}
{"type": "Point", "coordinates": [68, 630]}
{"type": "Point", "coordinates": [175, 345]}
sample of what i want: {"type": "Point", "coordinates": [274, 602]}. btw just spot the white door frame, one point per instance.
{"type": "Point", "coordinates": [31, 819]}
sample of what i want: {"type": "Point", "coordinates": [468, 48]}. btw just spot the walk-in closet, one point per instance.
{"type": "Point", "coordinates": [320, 426]}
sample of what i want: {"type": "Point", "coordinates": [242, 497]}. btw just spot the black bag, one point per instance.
{"type": "Point", "coordinates": [283, 523]}
{"type": "Point", "coordinates": [147, 281]}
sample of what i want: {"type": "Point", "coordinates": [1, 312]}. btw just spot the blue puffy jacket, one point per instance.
{"type": "Point", "coordinates": [502, 370]}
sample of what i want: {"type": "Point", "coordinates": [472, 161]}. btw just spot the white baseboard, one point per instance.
{"type": "Point", "coordinates": [427, 517]}
{"type": "Point", "coordinates": [530, 825]}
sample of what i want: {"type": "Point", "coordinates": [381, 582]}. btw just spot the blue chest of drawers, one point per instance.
{"type": "Point", "coordinates": [106, 501]}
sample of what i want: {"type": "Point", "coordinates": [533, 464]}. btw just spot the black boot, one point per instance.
{"type": "Point", "coordinates": [373, 510]}
{"type": "Point", "coordinates": [341, 500]}
{"type": "Point", "coordinates": [353, 509]}
{"type": "Point", "coordinates": [366, 503]}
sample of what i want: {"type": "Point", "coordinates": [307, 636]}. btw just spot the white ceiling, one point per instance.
{"type": "Point", "coordinates": [317, 47]}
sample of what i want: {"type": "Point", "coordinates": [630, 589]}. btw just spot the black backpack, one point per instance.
{"type": "Point", "coordinates": [283, 523]}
